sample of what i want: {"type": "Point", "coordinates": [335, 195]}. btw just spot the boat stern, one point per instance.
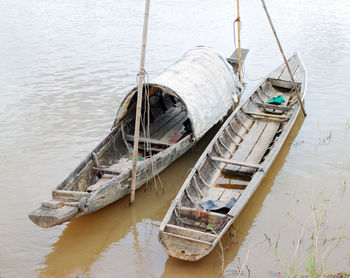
{"type": "Point", "coordinates": [52, 213]}
{"type": "Point", "coordinates": [184, 248]}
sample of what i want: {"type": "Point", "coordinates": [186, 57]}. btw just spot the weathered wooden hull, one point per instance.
{"type": "Point", "coordinates": [115, 189]}
{"type": "Point", "coordinates": [246, 145]}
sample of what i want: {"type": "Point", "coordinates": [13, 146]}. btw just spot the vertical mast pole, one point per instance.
{"type": "Point", "coordinates": [284, 58]}
{"type": "Point", "coordinates": [239, 43]}
{"type": "Point", "coordinates": [141, 79]}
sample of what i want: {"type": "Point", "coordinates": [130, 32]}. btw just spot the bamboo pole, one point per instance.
{"type": "Point", "coordinates": [284, 58]}
{"type": "Point", "coordinates": [239, 43]}
{"type": "Point", "coordinates": [141, 78]}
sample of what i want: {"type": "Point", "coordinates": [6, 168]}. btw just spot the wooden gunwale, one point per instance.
{"type": "Point", "coordinates": [257, 177]}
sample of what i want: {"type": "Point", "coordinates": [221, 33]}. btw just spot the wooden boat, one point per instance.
{"type": "Point", "coordinates": [243, 150]}
{"type": "Point", "coordinates": [179, 107]}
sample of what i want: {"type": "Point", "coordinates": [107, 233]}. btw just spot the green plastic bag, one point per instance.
{"type": "Point", "coordinates": [276, 100]}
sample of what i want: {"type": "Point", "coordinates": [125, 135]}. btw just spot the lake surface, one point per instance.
{"type": "Point", "coordinates": [64, 68]}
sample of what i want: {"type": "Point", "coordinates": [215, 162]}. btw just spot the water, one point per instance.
{"type": "Point", "coordinates": [64, 68]}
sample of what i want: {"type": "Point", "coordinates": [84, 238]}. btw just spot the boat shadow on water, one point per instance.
{"type": "Point", "coordinates": [84, 239]}
{"type": "Point", "coordinates": [212, 263]}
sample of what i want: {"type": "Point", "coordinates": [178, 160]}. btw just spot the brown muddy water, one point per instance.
{"type": "Point", "coordinates": [64, 68]}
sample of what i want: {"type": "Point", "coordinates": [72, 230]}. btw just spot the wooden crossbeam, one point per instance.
{"type": "Point", "coordinates": [190, 233]}
{"type": "Point", "coordinates": [149, 140]}
{"type": "Point", "coordinates": [108, 172]}
{"type": "Point", "coordinates": [187, 238]}
{"type": "Point", "coordinates": [68, 195]}
{"type": "Point", "coordinates": [268, 116]}
{"type": "Point", "coordinates": [281, 83]}
{"type": "Point", "coordinates": [273, 106]}
{"type": "Point", "coordinates": [235, 162]}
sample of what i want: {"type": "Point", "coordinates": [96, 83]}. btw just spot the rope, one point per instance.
{"type": "Point", "coordinates": [145, 124]}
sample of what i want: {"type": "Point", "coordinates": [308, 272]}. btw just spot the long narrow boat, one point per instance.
{"type": "Point", "coordinates": [233, 165]}
{"type": "Point", "coordinates": [179, 107]}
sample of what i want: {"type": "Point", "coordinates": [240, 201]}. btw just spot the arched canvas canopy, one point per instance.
{"type": "Point", "coordinates": [203, 81]}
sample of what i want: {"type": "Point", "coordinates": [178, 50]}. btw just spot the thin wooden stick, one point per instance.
{"type": "Point", "coordinates": [141, 78]}
{"type": "Point", "coordinates": [239, 43]}
{"type": "Point", "coordinates": [284, 58]}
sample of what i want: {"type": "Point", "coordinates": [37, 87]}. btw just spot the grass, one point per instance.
{"type": "Point", "coordinates": [347, 124]}
{"type": "Point", "coordinates": [313, 265]}
{"type": "Point", "coordinates": [313, 262]}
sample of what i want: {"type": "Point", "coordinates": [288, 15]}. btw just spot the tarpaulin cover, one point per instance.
{"type": "Point", "coordinates": [203, 81]}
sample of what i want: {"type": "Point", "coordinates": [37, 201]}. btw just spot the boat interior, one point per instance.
{"type": "Point", "coordinates": [233, 159]}
{"type": "Point", "coordinates": [164, 122]}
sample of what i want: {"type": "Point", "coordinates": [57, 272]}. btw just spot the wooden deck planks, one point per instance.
{"type": "Point", "coordinates": [165, 118]}
{"type": "Point", "coordinates": [173, 131]}
{"type": "Point", "coordinates": [247, 145]}
{"type": "Point", "coordinates": [265, 139]}
{"type": "Point", "coordinates": [253, 150]}
{"type": "Point", "coordinates": [229, 193]}
{"type": "Point", "coordinates": [261, 146]}
{"type": "Point", "coordinates": [293, 65]}
{"type": "Point", "coordinates": [298, 75]}
{"type": "Point", "coordinates": [214, 193]}
{"type": "Point", "coordinates": [169, 125]}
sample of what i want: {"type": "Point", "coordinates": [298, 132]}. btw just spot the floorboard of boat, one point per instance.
{"type": "Point", "coordinates": [174, 130]}
{"type": "Point", "coordinates": [254, 148]}
{"type": "Point", "coordinates": [213, 193]}
{"type": "Point", "coordinates": [265, 139]}
{"type": "Point", "coordinates": [229, 193]}
{"type": "Point", "coordinates": [165, 118]}
{"type": "Point", "coordinates": [261, 146]}
{"type": "Point", "coordinates": [169, 125]}
{"type": "Point", "coordinates": [247, 145]}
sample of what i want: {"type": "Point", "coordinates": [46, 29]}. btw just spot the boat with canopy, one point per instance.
{"type": "Point", "coordinates": [178, 107]}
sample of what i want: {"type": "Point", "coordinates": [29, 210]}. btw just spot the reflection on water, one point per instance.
{"type": "Point", "coordinates": [64, 68]}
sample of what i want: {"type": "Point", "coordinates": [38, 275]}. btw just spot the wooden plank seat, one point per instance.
{"type": "Point", "coordinates": [68, 196]}
{"type": "Point", "coordinates": [189, 233]}
{"type": "Point", "coordinates": [268, 116]}
{"type": "Point", "coordinates": [151, 141]}
{"type": "Point", "coordinates": [232, 183]}
{"type": "Point", "coordinates": [109, 172]}
{"type": "Point", "coordinates": [273, 106]}
{"type": "Point", "coordinates": [235, 162]}
{"type": "Point", "coordinates": [233, 59]}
